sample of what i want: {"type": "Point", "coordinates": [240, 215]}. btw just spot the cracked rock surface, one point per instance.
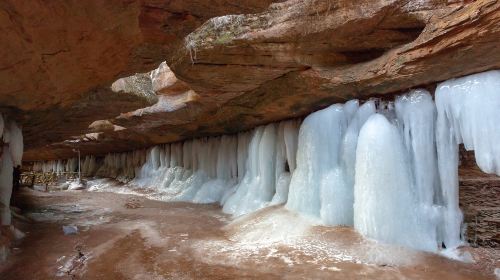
{"type": "Point", "coordinates": [230, 66]}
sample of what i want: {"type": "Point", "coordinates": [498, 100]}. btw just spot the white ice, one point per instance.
{"type": "Point", "coordinates": [318, 153]}
{"type": "Point", "coordinates": [393, 175]}
{"type": "Point", "coordinates": [467, 112]}
{"type": "Point", "coordinates": [385, 205]}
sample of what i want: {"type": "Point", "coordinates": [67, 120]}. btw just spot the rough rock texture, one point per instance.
{"type": "Point", "coordinates": [295, 57]}
{"type": "Point", "coordinates": [171, 95]}
{"type": "Point", "coordinates": [300, 56]}
{"type": "Point", "coordinates": [479, 196]}
{"type": "Point", "coordinates": [230, 66]}
{"type": "Point", "coordinates": [58, 57]}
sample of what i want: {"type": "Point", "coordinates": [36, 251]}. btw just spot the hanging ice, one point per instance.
{"type": "Point", "coordinates": [468, 112]}
{"type": "Point", "coordinates": [322, 185]}
{"type": "Point", "coordinates": [386, 207]}
{"type": "Point", "coordinates": [12, 153]}
{"type": "Point", "coordinates": [16, 143]}
{"type": "Point", "coordinates": [318, 153]}
{"type": "Point", "coordinates": [416, 113]}
{"type": "Point", "coordinates": [258, 185]}
{"type": "Point", "coordinates": [471, 106]}
{"type": "Point", "coordinates": [341, 210]}
{"type": "Point", "coordinates": [286, 147]}
{"type": "Point", "coordinates": [345, 165]}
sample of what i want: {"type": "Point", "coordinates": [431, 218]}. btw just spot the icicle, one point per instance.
{"type": "Point", "coordinates": [291, 135]}
{"type": "Point", "coordinates": [471, 105]}
{"type": "Point", "coordinates": [338, 185]}
{"type": "Point", "coordinates": [385, 205]}
{"type": "Point", "coordinates": [318, 153]}
{"type": "Point", "coordinates": [468, 113]}
{"type": "Point", "coordinates": [16, 143]}
{"type": "Point", "coordinates": [243, 143]}
{"type": "Point", "coordinates": [345, 165]}
{"type": "Point", "coordinates": [258, 185]}
{"type": "Point", "coordinates": [416, 113]}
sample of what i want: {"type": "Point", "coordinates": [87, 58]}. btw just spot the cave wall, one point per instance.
{"type": "Point", "coordinates": [479, 201]}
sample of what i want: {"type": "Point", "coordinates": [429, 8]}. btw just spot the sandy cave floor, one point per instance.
{"type": "Point", "coordinates": [123, 236]}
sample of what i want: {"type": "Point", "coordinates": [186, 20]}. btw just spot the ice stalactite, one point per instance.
{"type": "Point", "coordinates": [389, 168]}
{"type": "Point", "coordinates": [12, 153]}
{"type": "Point", "coordinates": [88, 166]}
{"type": "Point", "coordinates": [318, 153]}
{"type": "Point", "coordinates": [343, 178]}
{"type": "Point", "coordinates": [286, 148]}
{"type": "Point", "coordinates": [265, 176]}
{"type": "Point", "coordinates": [258, 185]}
{"type": "Point", "coordinates": [226, 172]}
{"type": "Point", "coordinates": [416, 114]}
{"type": "Point", "coordinates": [322, 185]}
{"type": "Point", "coordinates": [385, 205]}
{"type": "Point", "coordinates": [16, 145]}
{"type": "Point", "coordinates": [468, 112]}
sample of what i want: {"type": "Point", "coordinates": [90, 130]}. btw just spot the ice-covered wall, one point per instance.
{"type": "Point", "coordinates": [387, 205]}
{"type": "Point", "coordinates": [322, 185]}
{"type": "Point", "coordinates": [468, 112]}
{"type": "Point", "coordinates": [388, 168]}
{"type": "Point", "coordinates": [11, 156]}
{"type": "Point", "coordinates": [57, 166]}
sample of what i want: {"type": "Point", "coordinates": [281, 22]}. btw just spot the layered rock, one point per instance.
{"type": "Point", "coordinates": [479, 193]}
{"type": "Point", "coordinates": [239, 71]}
{"type": "Point", "coordinates": [59, 59]}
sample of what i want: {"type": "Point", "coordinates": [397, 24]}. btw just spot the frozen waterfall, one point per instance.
{"type": "Point", "coordinates": [388, 168]}
{"type": "Point", "coordinates": [386, 204]}
{"type": "Point", "coordinates": [322, 185]}
{"type": "Point", "coordinates": [12, 153]}
{"type": "Point", "coordinates": [469, 113]}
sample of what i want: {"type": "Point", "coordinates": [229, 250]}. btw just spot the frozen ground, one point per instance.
{"type": "Point", "coordinates": [124, 236]}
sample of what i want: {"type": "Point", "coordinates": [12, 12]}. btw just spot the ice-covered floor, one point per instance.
{"type": "Point", "coordinates": [124, 236]}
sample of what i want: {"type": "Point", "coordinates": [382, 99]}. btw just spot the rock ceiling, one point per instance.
{"type": "Point", "coordinates": [230, 65]}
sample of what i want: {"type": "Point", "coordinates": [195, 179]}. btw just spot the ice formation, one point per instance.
{"type": "Point", "coordinates": [16, 145]}
{"type": "Point", "coordinates": [468, 112]}
{"type": "Point", "coordinates": [388, 168]}
{"type": "Point", "coordinates": [12, 153]}
{"type": "Point", "coordinates": [322, 186]}
{"type": "Point", "coordinates": [386, 206]}
{"type": "Point", "coordinates": [266, 177]}
{"type": "Point", "coordinates": [318, 153]}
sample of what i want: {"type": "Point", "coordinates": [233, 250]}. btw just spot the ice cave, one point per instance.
{"type": "Point", "coordinates": [250, 140]}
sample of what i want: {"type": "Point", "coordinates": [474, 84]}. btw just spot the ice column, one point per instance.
{"type": "Point", "coordinates": [12, 153]}
{"type": "Point", "coordinates": [16, 145]}
{"type": "Point", "coordinates": [340, 209]}
{"type": "Point", "coordinates": [286, 149]}
{"type": "Point", "coordinates": [257, 188]}
{"type": "Point", "coordinates": [318, 154]}
{"type": "Point", "coordinates": [468, 112]}
{"type": "Point", "coordinates": [385, 206]}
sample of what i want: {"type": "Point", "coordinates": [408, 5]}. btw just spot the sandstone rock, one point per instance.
{"type": "Point", "coordinates": [57, 57]}
{"type": "Point", "coordinates": [296, 57]}
{"type": "Point", "coordinates": [164, 81]}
